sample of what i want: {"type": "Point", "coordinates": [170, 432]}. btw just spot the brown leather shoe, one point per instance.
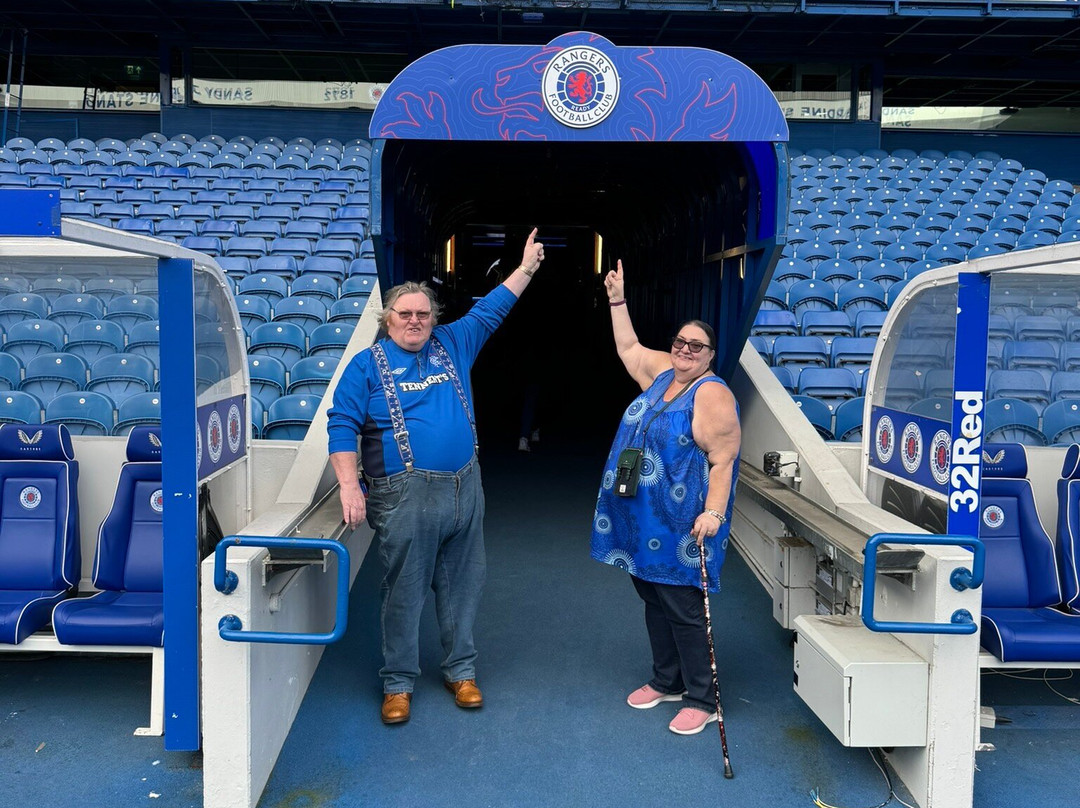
{"type": "Point", "coordinates": [395, 708]}
{"type": "Point", "coordinates": [466, 693]}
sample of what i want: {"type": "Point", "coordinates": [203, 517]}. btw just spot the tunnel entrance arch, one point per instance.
{"type": "Point", "coordinates": [673, 157]}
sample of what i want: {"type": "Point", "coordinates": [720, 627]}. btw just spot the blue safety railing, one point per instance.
{"type": "Point", "coordinates": [961, 578]}
{"type": "Point", "coordinates": [230, 627]}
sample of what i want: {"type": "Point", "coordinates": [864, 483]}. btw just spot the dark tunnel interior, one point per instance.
{"type": "Point", "coordinates": [662, 208]}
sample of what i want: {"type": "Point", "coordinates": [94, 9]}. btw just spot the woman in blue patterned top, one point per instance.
{"type": "Point", "coordinates": [682, 434]}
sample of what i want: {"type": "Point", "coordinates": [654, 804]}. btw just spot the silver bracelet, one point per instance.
{"type": "Point", "coordinates": [717, 514]}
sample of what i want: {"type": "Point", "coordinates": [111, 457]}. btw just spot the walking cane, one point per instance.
{"type": "Point", "coordinates": [712, 662]}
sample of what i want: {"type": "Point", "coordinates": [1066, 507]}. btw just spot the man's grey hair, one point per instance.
{"type": "Point", "coordinates": [408, 288]}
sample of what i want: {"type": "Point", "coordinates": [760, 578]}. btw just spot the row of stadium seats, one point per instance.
{"type": "Point", "coordinates": [154, 150]}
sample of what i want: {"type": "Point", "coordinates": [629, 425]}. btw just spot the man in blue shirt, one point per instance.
{"type": "Point", "coordinates": [409, 399]}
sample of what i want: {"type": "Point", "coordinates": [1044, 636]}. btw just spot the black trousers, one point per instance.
{"type": "Point", "coordinates": [675, 620]}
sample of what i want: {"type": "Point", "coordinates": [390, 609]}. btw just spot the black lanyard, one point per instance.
{"type": "Point", "coordinates": [667, 404]}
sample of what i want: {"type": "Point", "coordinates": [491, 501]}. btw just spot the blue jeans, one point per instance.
{"type": "Point", "coordinates": [430, 530]}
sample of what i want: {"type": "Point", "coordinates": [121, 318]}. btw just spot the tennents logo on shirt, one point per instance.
{"type": "Point", "coordinates": [415, 387]}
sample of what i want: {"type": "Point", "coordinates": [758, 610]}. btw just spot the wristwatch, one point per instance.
{"type": "Point", "coordinates": [717, 514]}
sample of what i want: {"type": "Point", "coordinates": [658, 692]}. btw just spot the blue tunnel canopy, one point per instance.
{"type": "Point", "coordinates": [578, 87]}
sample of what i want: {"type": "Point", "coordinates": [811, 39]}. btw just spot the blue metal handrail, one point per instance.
{"type": "Point", "coordinates": [225, 581]}
{"type": "Point", "coordinates": [961, 578]}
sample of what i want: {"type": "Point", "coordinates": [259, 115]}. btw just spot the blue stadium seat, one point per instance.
{"type": "Point", "coordinates": [1070, 356]}
{"type": "Point", "coordinates": [861, 295]}
{"type": "Point", "coordinates": [1021, 584]}
{"type": "Point", "coordinates": [141, 409]}
{"type": "Point", "coordinates": [266, 229]}
{"type": "Point", "coordinates": [22, 306]}
{"type": "Point", "coordinates": [306, 311]}
{"type": "Point", "coordinates": [836, 272]}
{"type": "Point", "coordinates": [297, 248]}
{"type": "Point", "coordinates": [817, 413]}
{"type": "Point", "coordinates": [258, 416]}
{"type": "Point", "coordinates": [826, 324]}
{"type": "Point", "coordinates": [220, 230]}
{"type": "Point", "coordinates": [254, 310]}
{"type": "Point", "coordinates": [938, 383]}
{"type": "Point", "coordinates": [831, 386]}
{"type": "Point", "coordinates": [939, 408]}
{"type": "Point", "coordinates": [129, 310]}
{"type": "Point", "coordinates": [1012, 420]}
{"type": "Point", "coordinates": [329, 339]}
{"type": "Point", "coordinates": [71, 309]}
{"type": "Point", "coordinates": [345, 249]}
{"type": "Point", "coordinates": [1026, 385]}
{"type": "Point", "coordinates": [51, 374]}
{"type": "Point", "coordinates": [235, 267]}
{"type": "Point", "coordinates": [869, 323]}
{"type": "Point", "coordinates": [284, 341]}
{"type": "Point", "coordinates": [268, 376]}
{"type": "Point", "coordinates": [1020, 355]}
{"type": "Point", "coordinates": [143, 339]}
{"type": "Point", "coordinates": [789, 271]}
{"type": "Point", "coordinates": [800, 352]}
{"type": "Point", "coordinates": [83, 413]}
{"type": "Point", "coordinates": [122, 375]}
{"type": "Point", "coordinates": [245, 247]}
{"type": "Point", "coordinates": [128, 564]}
{"type": "Point", "coordinates": [10, 372]}
{"type": "Point", "coordinates": [1039, 327]}
{"type": "Point", "coordinates": [362, 286]}
{"type": "Point", "coordinates": [323, 287]}
{"type": "Point", "coordinates": [849, 420]}
{"type": "Point", "coordinates": [1060, 424]}
{"type": "Point", "coordinates": [784, 376]}
{"type": "Point", "coordinates": [17, 407]}
{"type": "Point", "coordinates": [810, 296]}
{"type": "Point", "coordinates": [1064, 384]}
{"type": "Point", "coordinates": [289, 417]}
{"type": "Point", "coordinates": [309, 229]}
{"type": "Point", "coordinates": [284, 266]}
{"type": "Point", "coordinates": [270, 287]}
{"type": "Point", "coordinates": [347, 310]}
{"type": "Point", "coordinates": [39, 527]}
{"type": "Point", "coordinates": [772, 324]}
{"type": "Point", "coordinates": [854, 353]}
{"type": "Point", "coordinates": [30, 338]}
{"type": "Point", "coordinates": [312, 375]}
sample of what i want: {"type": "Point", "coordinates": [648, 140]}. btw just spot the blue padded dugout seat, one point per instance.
{"type": "Point", "coordinates": [128, 562]}
{"type": "Point", "coordinates": [1068, 528]}
{"type": "Point", "coordinates": [1022, 584]}
{"type": "Point", "coordinates": [39, 526]}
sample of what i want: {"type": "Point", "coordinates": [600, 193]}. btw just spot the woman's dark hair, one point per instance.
{"type": "Point", "coordinates": [709, 334]}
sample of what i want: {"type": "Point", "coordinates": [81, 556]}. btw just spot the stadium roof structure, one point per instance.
{"type": "Point", "coordinates": [1020, 53]}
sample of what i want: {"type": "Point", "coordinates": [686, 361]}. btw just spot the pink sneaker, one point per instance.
{"type": "Point", "coordinates": [645, 698]}
{"type": "Point", "coordinates": [690, 721]}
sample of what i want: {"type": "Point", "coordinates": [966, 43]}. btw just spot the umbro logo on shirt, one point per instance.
{"type": "Point", "coordinates": [398, 371]}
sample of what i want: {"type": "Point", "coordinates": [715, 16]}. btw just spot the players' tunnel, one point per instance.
{"type": "Point", "coordinates": [671, 159]}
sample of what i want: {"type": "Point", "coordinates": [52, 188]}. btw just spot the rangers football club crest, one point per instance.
{"type": "Point", "coordinates": [911, 448]}
{"type": "Point", "coordinates": [30, 497]}
{"type": "Point", "coordinates": [884, 439]}
{"type": "Point", "coordinates": [157, 501]}
{"type": "Point", "coordinates": [580, 87]}
{"type": "Point", "coordinates": [939, 456]}
{"type": "Point", "coordinates": [993, 517]}
{"type": "Point", "coordinates": [215, 439]}
{"type": "Point", "coordinates": [233, 426]}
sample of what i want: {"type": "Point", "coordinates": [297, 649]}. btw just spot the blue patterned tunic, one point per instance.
{"type": "Point", "coordinates": [648, 535]}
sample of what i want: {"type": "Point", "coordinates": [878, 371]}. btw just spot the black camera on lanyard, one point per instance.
{"type": "Point", "coordinates": [628, 472]}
